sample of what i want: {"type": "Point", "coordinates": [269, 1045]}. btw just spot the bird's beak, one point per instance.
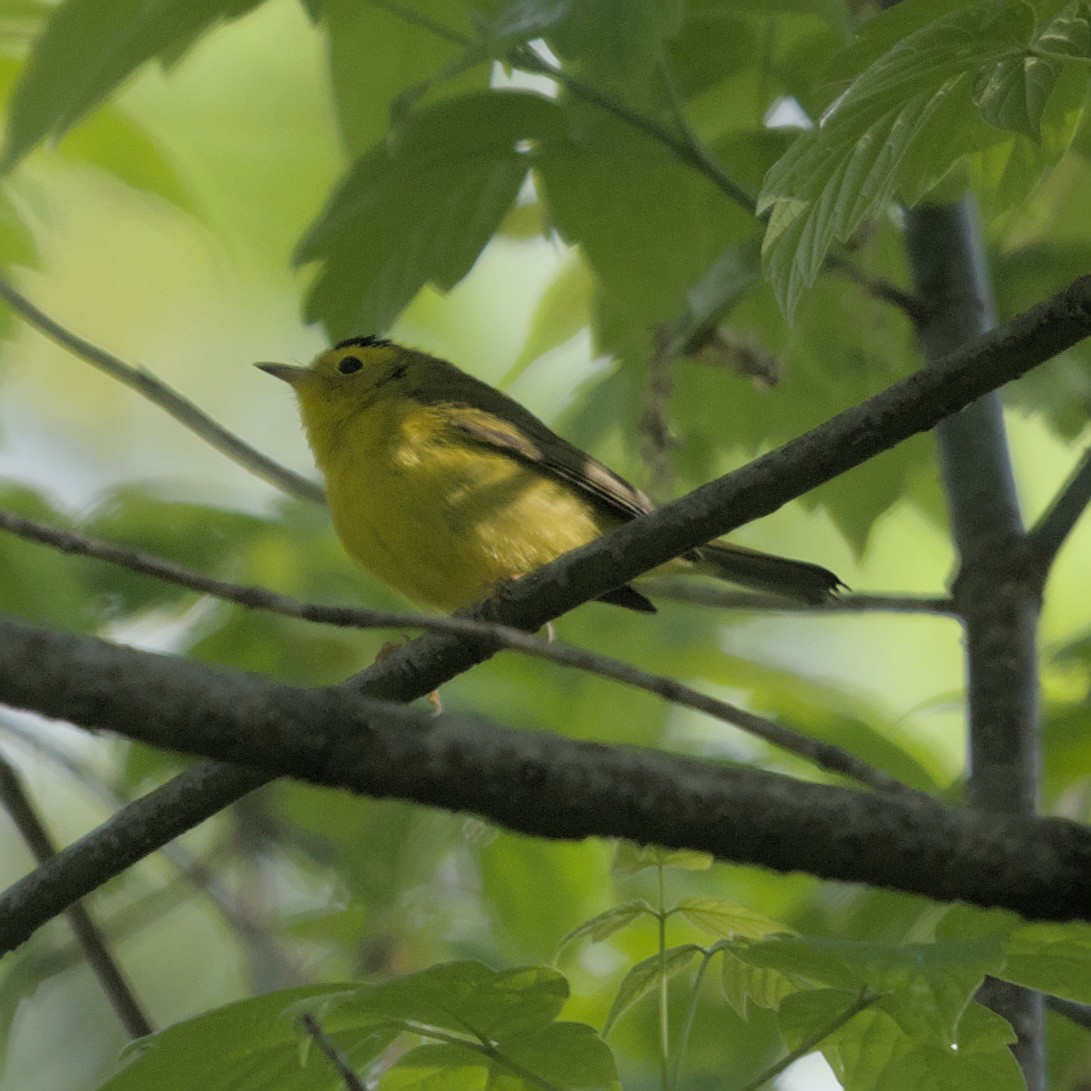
{"type": "Point", "coordinates": [289, 374]}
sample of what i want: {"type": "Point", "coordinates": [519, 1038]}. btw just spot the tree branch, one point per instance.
{"type": "Point", "coordinates": [88, 935]}
{"type": "Point", "coordinates": [724, 598]}
{"type": "Point", "coordinates": [542, 784]}
{"type": "Point", "coordinates": [998, 592]}
{"type": "Point", "coordinates": [825, 755]}
{"type": "Point", "coordinates": [850, 438]}
{"type": "Point", "coordinates": [166, 397]}
{"type": "Point", "coordinates": [1057, 523]}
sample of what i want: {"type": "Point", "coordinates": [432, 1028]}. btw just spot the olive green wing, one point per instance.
{"type": "Point", "coordinates": [492, 419]}
{"type": "Point", "coordinates": [495, 421]}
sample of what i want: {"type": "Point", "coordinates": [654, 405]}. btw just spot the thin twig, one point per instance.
{"type": "Point", "coordinates": [689, 153]}
{"type": "Point", "coordinates": [702, 594]}
{"type": "Point", "coordinates": [91, 941]}
{"type": "Point", "coordinates": [166, 397]}
{"type": "Point", "coordinates": [827, 755]}
{"type": "Point", "coordinates": [865, 1000]}
{"type": "Point", "coordinates": [333, 1053]}
{"type": "Point", "coordinates": [1051, 531]}
{"type": "Point", "coordinates": [1077, 1013]}
{"type": "Point", "coordinates": [914, 306]}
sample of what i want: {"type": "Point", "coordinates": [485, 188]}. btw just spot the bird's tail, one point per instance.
{"type": "Point", "coordinates": [759, 571]}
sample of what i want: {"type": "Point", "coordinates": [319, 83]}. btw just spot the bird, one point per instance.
{"type": "Point", "coordinates": [445, 488]}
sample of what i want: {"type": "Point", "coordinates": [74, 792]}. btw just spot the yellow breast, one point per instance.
{"type": "Point", "coordinates": [438, 517]}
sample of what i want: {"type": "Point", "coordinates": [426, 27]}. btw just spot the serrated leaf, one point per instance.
{"type": "Point", "coordinates": [606, 924]}
{"type": "Point", "coordinates": [88, 48]}
{"type": "Point", "coordinates": [376, 57]}
{"type": "Point", "coordinates": [422, 210]}
{"type": "Point", "coordinates": [1053, 958]}
{"type": "Point", "coordinates": [464, 998]}
{"type": "Point", "coordinates": [744, 984]}
{"type": "Point", "coordinates": [900, 126]}
{"type": "Point", "coordinates": [1012, 93]}
{"type": "Point", "coordinates": [248, 1046]}
{"type": "Point", "coordinates": [724, 919]}
{"type": "Point", "coordinates": [983, 1060]}
{"type": "Point", "coordinates": [645, 976]}
{"type": "Point", "coordinates": [618, 40]}
{"type": "Point", "coordinates": [857, 1049]}
{"type": "Point", "coordinates": [631, 858]}
{"type": "Point", "coordinates": [569, 1055]}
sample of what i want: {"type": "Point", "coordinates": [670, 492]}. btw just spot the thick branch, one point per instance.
{"type": "Point", "coordinates": [544, 784]}
{"type": "Point", "coordinates": [998, 590]}
{"type": "Point", "coordinates": [826, 755]}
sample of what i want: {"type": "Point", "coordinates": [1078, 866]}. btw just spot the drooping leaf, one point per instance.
{"type": "Point", "coordinates": [88, 48]}
{"type": "Point", "coordinates": [899, 127]}
{"type": "Point", "coordinates": [252, 1045]}
{"type": "Point", "coordinates": [723, 919]}
{"type": "Point", "coordinates": [607, 923]}
{"type": "Point", "coordinates": [646, 976]}
{"type": "Point", "coordinates": [377, 56]}
{"type": "Point", "coordinates": [631, 858]}
{"type": "Point", "coordinates": [421, 211]}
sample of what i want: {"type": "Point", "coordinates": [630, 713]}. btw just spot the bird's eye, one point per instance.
{"type": "Point", "coordinates": [349, 364]}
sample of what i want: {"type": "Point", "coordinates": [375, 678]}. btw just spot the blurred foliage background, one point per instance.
{"type": "Point", "coordinates": [162, 219]}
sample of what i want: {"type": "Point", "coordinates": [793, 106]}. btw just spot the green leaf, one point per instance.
{"type": "Point", "coordinates": [569, 1055]}
{"type": "Point", "coordinates": [856, 1050]}
{"type": "Point", "coordinates": [440, 1068]}
{"type": "Point", "coordinates": [631, 858]}
{"type": "Point", "coordinates": [377, 56]}
{"type": "Point", "coordinates": [724, 919]}
{"type": "Point", "coordinates": [803, 960]}
{"type": "Point", "coordinates": [898, 128]}
{"type": "Point", "coordinates": [88, 48]}
{"type": "Point", "coordinates": [421, 211]}
{"type": "Point", "coordinates": [116, 143]}
{"type": "Point", "coordinates": [563, 310]}
{"type": "Point", "coordinates": [1012, 93]}
{"type": "Point", "coordinates": [924, 987]}
{"type": "Point", "coordinates": [983, 1060]}
{"type": "Point", "coordinates": [606, 924]}
{"type": "Point", "coordinates": [41, 583]}
{"type": "Point", "coordinates": [602, 180]}
{"type": "Point", "coordinates": [465, 997]}
{"type": "Point", "coordinates": [619, 41]}
{"type": "Point", "coordinates": [197, 535]}
{"type": "Point", "coordinates": [744, 983]}
{"type": "Point", "coordinates": [1055, 958]}
{"type": "Point", "coordinates": [17, 247]}
{"type": "Point", "coordinates": [645, 977]}
{"type": "Point", "coordinates": [252, 1045]}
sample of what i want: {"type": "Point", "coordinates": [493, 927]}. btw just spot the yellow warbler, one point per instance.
{"type": "Point", "coordinates": [445, 488]}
